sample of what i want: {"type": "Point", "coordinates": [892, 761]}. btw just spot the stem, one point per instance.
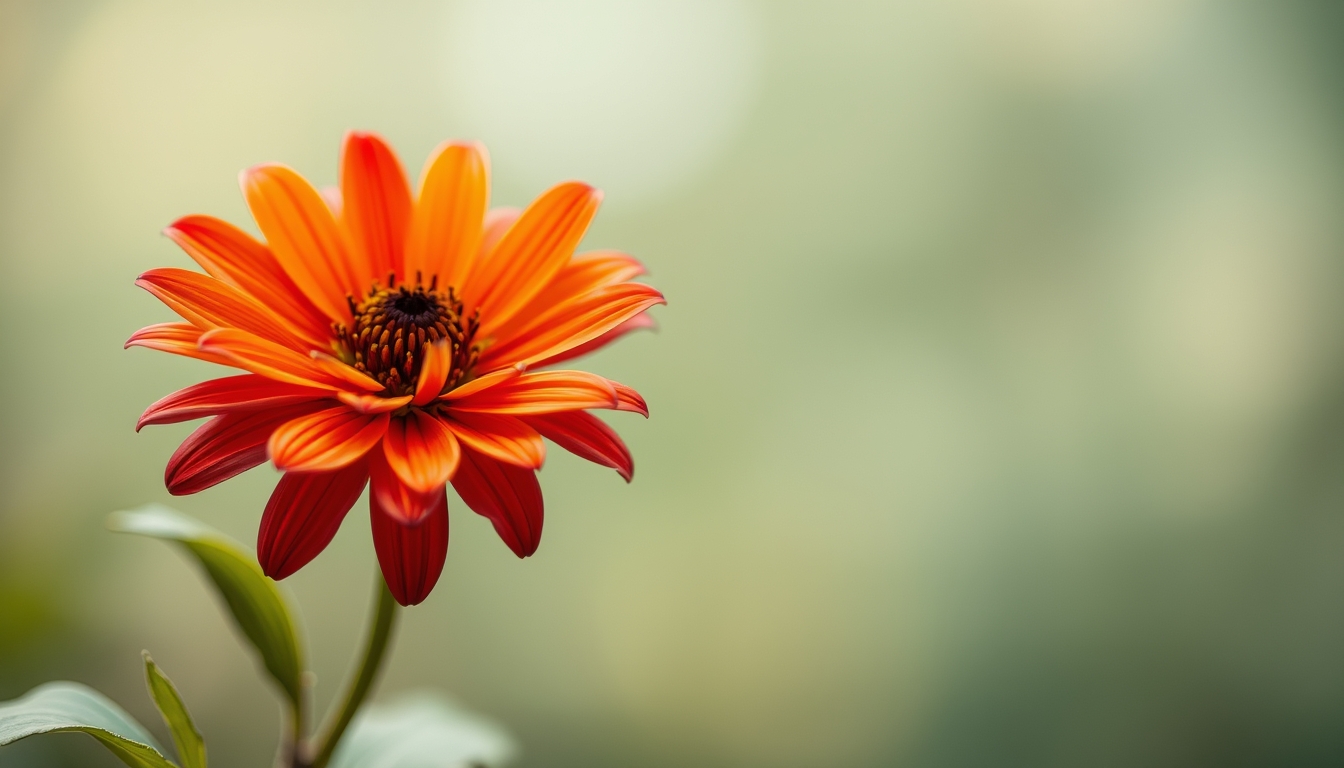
{"type": "Point", "coordinates": [380, 631]}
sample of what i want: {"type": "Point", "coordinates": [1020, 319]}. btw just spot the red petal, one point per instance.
{"type": "Point", "coordinates": [326, 440]}
{"type": "Point", "coordinates": [505, 438]}
{"type": "Point", "coordinates": [482, 383]}
{"type": "Point", "coordinates": [210, 398]}
{"type": "Point", "coordinates": [395, 497]}
{"type": "Point", "coordinates": [303, 515]}
{"type": "Point", "coordinates": [588, 437]}
{"type": "Point", "coordinates": [411, 555]}
{"type": "Point", "coordinates": [225, 446]}
{"type": "Point", "coordinates": [376, 209]}
{"type": "Point", "coordinates": [233, 256]}
{"type": "Point", "coordinates": [508, 496]}
{"type": "Point", "coordinates": [542, 392]}
{"type": "Point", "coordinates": [421, 450]}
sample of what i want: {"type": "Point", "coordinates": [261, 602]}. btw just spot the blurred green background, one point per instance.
{"type": "Point", "coordinates": [998, 408]}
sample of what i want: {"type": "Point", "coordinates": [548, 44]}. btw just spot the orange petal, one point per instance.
{"type": "Point", "coordinates": [434, 370]}
{"type": "Point", "coordinates": [542, 392]}
{"type": "Point", "coordinates": [179, 339]}
{"type": "Point", "coordinates": [304, 237]}
{"type": "Point", "coordinates": [326, 440]}
{"type": "Point", "coordinates": [267, 358]}
{"type": "Point", "coordinates": [449, 211]}
{"type": "Point", "coordinates": [209, 303]}
{"type": "Point", "coordinates": [505, 438]}
{"type": "Point", "coordinates": [588, 437]}
{"type": "Point", "coordinates": [508, 496]}
{"type": "Point", "coordinates": [627, 399]}
{"type": "Point", "coordinates": [231, 393]}
{"type": "Point", "coordinates": [421, 450]}
{"type": "Point", "coordinates": [531, 251]}
{"type": "Point", "coordinates": [588, 347]}
{"type": "Point", "coordinates": [481, 383]}
{"type": "Point", "coordinates": [346, 373]}
{"type": "Point", "coordinates": [395, 498]}
{"type": "Point", "coordinates": [372, 403]}
{"type": "Point", "coordinates": [582, 321]}
{"type": "Point", "coordinates": [231, 255]}
{"type": "Point", "coordinates": [376, 205]}
{"type": "Point", "coordinates": [583, 274]}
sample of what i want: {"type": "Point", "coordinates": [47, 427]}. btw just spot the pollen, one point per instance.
{"type": "Point", "coordinates": [393, 325]}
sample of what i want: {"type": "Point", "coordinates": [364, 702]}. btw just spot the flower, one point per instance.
{"type": "Point", "coordinates": [396, 339]}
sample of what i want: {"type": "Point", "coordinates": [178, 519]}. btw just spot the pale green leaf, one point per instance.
{"type": "Point", "coordinates": [190, 745]}
{"type": "Point", "coordinates": [71, 707]}
{"type": "Point", "coordinates": [254, 600]}
{"type": "Point", "coordinates": [422, 731]}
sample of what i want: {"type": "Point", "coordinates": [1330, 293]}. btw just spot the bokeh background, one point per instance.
{"type": "Point", "coordinates": [998, 408]}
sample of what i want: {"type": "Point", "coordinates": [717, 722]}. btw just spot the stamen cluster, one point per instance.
{"type": "Point", "coordinates": [392, 327]}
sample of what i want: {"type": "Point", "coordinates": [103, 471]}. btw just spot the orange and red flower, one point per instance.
{"type": "Point", "coordinates": [396, 339]}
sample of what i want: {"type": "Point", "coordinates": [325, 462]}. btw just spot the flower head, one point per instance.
{"type": "Point", "coordinates": [404, 341]}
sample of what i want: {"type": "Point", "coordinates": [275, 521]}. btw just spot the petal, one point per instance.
{"type": "Point", "coordinates": [225, 446]}
{"type": "Point", "coordinates": [179, 339]}
{"type": "Point", "coordinates": [233, 256]}
{"type": "Point", "coordinates": [326, 440]}
{"type": "Point", "coordinates": [411, 555]}
{"type": "Point", "coordinates": [580, 322]}
{"type": "Point", "coordinates": [304, 237]}
{"type": "Point", "coordinates": [588, 437]}
{"type": "Point", "coordinates": [303, 514]}
{"type": "Point", "coordinates": [627, 399]}
{"type": "Point", "coordinates": [588, 347]}
{"type": "Point", "coordinates": [208, 303]}
{"type": "Point", "coordinates": [531, 252]}
{"type": "Point", "coordinates": [253, 353]}
{"type": "Point", "coordinates": [434, 370]}
{"type": "Point", "coordinates": [421, 450]}
{"type": "Point", "coordinates": [372, 403]}
{"type": "Point", "coordinates": [210, 398]}
{"type": "Point", "coordinates": [484, 382]}
{"type": "Point", "coordinates": [395, 497]}
{"type": "Point", "coordinates": [508, 496]}
{"type": "Point", "coordinates": [346, 373]}
{"type": "Point", "coordinates": [542, 392]}
{"type": "Point", "coordinates": [583, 274]}
{"type": "Point", "coordinates": [505, 438]}
{"type": "Point", "coordinates": [449, 212]}
{"type": "Point", "coordinates": [376, 205]}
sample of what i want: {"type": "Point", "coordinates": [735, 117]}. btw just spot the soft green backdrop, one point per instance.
{"type": "Point", "coordinates": [998, 408]}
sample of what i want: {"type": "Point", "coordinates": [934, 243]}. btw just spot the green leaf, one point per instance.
{"type": "Point", "coordinates": [422, 731]}
{"type": "Point", "coordinates": [71, 707]}
{"type": "Point", "coordinates": [190, 745]}
{"type": "Point", "coordinates": [254, 599]}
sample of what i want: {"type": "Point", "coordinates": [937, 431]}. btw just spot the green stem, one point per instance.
{"type": "Point", "coordinates": [380, 631]}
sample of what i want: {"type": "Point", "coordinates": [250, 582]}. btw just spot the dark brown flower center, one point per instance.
{"type": "Point", "coordinates": [392, 327]}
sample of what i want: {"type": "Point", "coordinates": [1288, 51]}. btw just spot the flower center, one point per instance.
{"type": "Point", "coordinates": [393, 325]}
